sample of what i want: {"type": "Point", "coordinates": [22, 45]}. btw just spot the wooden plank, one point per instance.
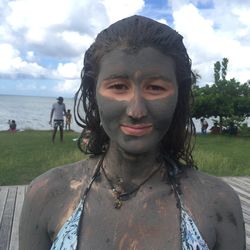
{"type": "Point", "coordinates": [245, 178]}
{"type": "Point", "coordinates": [239, 182]}
{"type": "Point", "coordinates": [243, 181]}
{"type": "Point", "coordinates": [15, 226]}
{"type": "Point", "coordinates": [243, 187]}
{"type": "Point", "coordinates": [3, 196]}
{"type": "Point", "coordinates": [6, 223]}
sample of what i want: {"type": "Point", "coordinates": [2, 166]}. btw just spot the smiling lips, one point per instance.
{"type": "Point", "coordinates": [136, 130]}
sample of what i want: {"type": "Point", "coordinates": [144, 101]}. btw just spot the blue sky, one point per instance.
{"type": "Point", "coordinates": [42, 42]}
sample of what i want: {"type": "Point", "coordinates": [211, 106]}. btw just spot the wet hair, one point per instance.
{"type": "Point", "coordinates": [132, 34]}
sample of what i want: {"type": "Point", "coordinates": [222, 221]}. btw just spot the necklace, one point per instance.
{"type": "Point", "coordinates": [122, 196]}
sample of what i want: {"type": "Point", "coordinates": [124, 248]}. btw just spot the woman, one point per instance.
{"type": "Point", "coordinates": [140, 189]}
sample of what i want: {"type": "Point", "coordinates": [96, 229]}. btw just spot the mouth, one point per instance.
{"type": "Point", "coordinates": [136, 130]}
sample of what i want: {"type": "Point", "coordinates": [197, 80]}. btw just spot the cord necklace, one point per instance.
{"type": "Point", "coordinates": [122, 196]}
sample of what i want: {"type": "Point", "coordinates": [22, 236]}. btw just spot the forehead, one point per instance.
{"type": "Point", "coordinates": [147, 61]}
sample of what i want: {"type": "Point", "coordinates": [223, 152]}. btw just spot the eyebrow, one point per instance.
{"type": "Point", "coordinates": [115, 76]}
{"type": "Point", "coordinates": [150, 76]}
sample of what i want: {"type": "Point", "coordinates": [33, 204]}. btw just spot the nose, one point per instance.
{"type": "Point", "coordinates": [137, 107]}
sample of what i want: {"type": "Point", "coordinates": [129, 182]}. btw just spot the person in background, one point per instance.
{"type": "Point", "coordinates": [215, 130]}
{"type": "Point", "coordinates": [12, 126]}
{"type": "Point", "coordinates": [204, 126]}
{"type": "Point", "coordinates": [232, 129]}
{"type": "Point", "coordinates": [68, 120]}
{"type": "Point", "coordinates": [57, 112]}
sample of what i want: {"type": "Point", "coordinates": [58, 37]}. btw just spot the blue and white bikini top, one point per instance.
{"type": "Point", "coordinates": [67, 237]}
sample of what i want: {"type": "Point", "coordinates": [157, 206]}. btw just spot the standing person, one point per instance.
{"type": "Point", "coordinates": [140, 188]}
{"type": "Point", "coordinates": [57, 112]}
{"type": "Point", "coordinates": [12, 125]}
{"type": "Point", "coordinates": [204, 126]}
{"type": "Point", "coordinates": [68, 120]}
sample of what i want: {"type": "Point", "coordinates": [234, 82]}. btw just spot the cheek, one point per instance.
{"type": "Point", "coordinates": [162, 111]}
{"type": "Point", "coordinates": [110, 111]}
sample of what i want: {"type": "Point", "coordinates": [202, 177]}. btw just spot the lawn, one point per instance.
{"type": "Point", "coordinates": [223, 155]}
{"type": "Point", "coordinates": [27, 154]}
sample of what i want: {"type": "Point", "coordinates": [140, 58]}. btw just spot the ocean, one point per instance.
{"type": "Point", "coordinates": [30, 112]}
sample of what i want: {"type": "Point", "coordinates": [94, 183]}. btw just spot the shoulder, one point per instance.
{"type": "Point", "coordinates": [56, 186]}
{"type": "Point", "coordinates": [61, 178]}
{"type": "Point", "coordinates": [213, 198]}
{"type": "Point", "coordinates": [50, 198]}
{"type": "Point", "coordinates": [50, 188]}
{"type": "Point", "coordinates": [213, 188]}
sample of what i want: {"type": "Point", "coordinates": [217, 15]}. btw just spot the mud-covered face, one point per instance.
{"type": "Point", "coordinates": [136, 96]}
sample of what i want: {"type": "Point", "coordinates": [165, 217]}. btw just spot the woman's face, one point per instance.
{"type": "Point", "coordinates": [136, 96]}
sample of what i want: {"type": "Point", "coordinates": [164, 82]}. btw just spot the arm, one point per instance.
{"type": "Point", "coordinates": [51, 114]}
{"type": "Point", "coordinates": [64, 110]}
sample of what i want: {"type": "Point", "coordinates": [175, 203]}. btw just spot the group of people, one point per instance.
{"type": "Point", "coordinates": [57, 114]}
{"type": "Point", "coordinates": [231, 129]}
{"type": "Point", "coordinates": [140, 188]}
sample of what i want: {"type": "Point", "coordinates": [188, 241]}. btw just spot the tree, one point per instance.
{"type": "Point", "coordinates": [227, 99]}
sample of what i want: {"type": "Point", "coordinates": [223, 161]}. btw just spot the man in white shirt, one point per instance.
{"type": "Point", "coordinates": [58, 111]}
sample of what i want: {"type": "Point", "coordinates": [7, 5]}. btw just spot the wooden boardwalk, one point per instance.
{"type": "Point", "coordinates": [11, 200]}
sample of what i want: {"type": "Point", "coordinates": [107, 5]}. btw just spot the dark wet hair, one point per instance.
{"type": "Point", "coordinates": [132, 34]}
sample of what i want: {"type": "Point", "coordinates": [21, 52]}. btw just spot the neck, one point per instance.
{"type": "Point", "coordinates": [129, 168]}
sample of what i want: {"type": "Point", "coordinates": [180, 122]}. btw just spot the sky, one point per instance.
{"type": "Point", "coordinates": [42, 42]}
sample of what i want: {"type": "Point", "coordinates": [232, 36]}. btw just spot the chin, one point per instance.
{"type": "Point", "coordinates": [137, 146]}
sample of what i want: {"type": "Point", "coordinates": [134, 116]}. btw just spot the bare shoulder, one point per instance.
{"type": "Point", "coordinates": [216, 189]}
{"type": "Point", "coordinates": [49, 200]}
{"type": "Point", "coordinates": [60, 179]}
{"type": "Point", "coordinates": [220, 203]}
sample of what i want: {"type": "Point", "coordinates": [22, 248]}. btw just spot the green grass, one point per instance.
{"type": "Point", "coordinates": [25, 155]}
{"type": "Point", "coordinates": [223, 155]}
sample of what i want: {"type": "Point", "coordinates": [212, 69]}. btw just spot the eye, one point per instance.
{"type": "Point", "coordinates": [155, 87]}
{"type": "Point", "coordinates": [118, 86]}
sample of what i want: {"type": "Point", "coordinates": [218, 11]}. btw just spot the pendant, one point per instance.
{"type": "Point", "coordinates": [117, 204]}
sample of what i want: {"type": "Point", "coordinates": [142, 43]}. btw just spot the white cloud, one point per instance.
{"type": "Point", "coordinates": [117, 10]}
{"type": "Point", "coordinates": [243, 14]}
{"type": "Point", "coordinates": [38, 14]}
{"type": "Point", "coordinates": [68, 71]}
{"type": "Point", "coordinates": [162, 20]}
{"type": "Point", "coordinates": [30, 55]}
{"type": "Point", "coordinates": [68, 86]}
{"type": "Point", "coordinates": [12, 64]}
{"type": "Point", "coordinates": [76, 40]}
{"type": "Point", "coordinates": [209, 40]}
{"type": "Point", "coordinates": [60, 30]}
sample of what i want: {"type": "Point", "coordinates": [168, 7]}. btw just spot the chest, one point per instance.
{"type": "Point", "coordinates": [148, 220]}
{"type": "Point", "coordinates": [145, 221]}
